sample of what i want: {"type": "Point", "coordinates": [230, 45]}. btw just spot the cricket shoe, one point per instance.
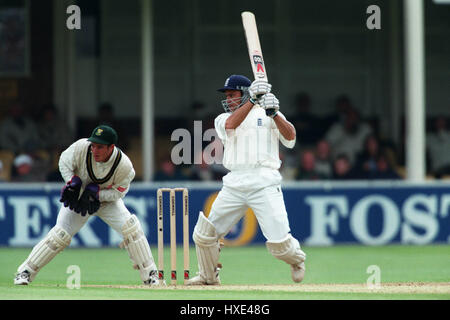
{"type": "Point", "coordinates": [298, 272]}
{"type": "Point", "coordinates": [199, 280]}
{"type": "Point", "coordinates": [154, 281]}
{"type": "Point", "coordinates": [22, 278]}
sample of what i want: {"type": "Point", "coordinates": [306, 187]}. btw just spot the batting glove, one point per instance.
{"type": "Point", "coordinates": [270, 103]}
{"type": "Point", "coordinates": [258, 88]}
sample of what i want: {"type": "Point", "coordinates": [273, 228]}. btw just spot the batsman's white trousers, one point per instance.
{"type": "Point", "coordinates": [267, 203]}
{"type": "Point", "coordinates": [114, 214]}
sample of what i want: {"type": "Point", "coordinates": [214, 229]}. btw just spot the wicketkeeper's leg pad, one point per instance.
{"type": "Point", "coordinates": [136, 244]}
{"type": "Point", "coordinates": [287, 250]}
{"type": "Point", "coordinates": [54, 242]}
{"type": "Point", "coordinates": [207, 247]}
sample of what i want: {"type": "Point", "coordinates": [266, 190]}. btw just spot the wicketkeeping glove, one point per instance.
{"type": "Point", "coordinates": [89, 201]}
{"type": "Point", "coordinates": [258, 88]}
{"type": "Point", "coordinates": [270, 103]}
{"type": "Point", "coordinates": [70, 192]}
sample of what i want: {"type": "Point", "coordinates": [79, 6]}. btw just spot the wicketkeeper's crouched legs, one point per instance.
{"type": "Point", "coordinates": [139, 251]}
{"type": "Point", "coordinates": [54, 242]}
{"type": "Point", "coordinates": [207, 247]}
{"type": "Point", "coordinates": [288, 250]}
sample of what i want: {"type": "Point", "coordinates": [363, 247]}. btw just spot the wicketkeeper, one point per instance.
{"type": "Point", "coordinates": [250, 130]}
{"type": "Point", "coordinates": [98, 176]}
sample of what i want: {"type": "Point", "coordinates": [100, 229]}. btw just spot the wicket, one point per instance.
{"type": "Point", "coordinates": [173, 232]}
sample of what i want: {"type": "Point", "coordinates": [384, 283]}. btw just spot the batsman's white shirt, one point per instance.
{"type": "Point", "coordinates": [251, 153]}
{"type": "Point", "coordinates": [74, 161]}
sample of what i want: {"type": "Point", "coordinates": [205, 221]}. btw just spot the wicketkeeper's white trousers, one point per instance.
{"type": "Point", "coordinates": [114, 214]}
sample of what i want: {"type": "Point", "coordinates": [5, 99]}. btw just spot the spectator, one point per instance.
{"type": "Point", "coordinates": [342, 168]}
{"type": "Point", "coordinates": [306, 123]}
{"type": "Point", "coordinates": [25, 169]}
{"type": "Point", "coordinates": [23, 164]}
{"type": "Point", "coordinates": [288, 168]}
{"type": "Point", "coordinates": [323, 159]}
{"type": "Point", "coordinates": [214, 159]}
{"type": "Point", "coordinates": [366, 162]}
{"type": "Point", "coordinates": [200, 170]}
{"type": "Point", "coordinates": [342, 105]}
{"type": "Point", "coordinates": [1, 172]}
{"type": "Point", "coordinates": [438, 147]}
{"type": "Point", "coordinates": [383, 170]}
{"type": "Point", "coordinates": [18, 132]}
{"type": "Point", "coordinates": [30, 167]}
{"type": "Point", "coordinates": [167, 171]}
{"type": "Point", "coordinates": [54, 132]}
{"type": "Point", "coordinates": [348, 137]}
{"type": "Point", "coordinates": [208, 163]}
{"type": "Point", "coordinates": [307, 170]}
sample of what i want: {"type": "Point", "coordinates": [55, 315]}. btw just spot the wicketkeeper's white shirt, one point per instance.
{"type": "Point", "coordinates": [112, 209]}
{"type": "Point", "coordinates": [73, 162]}
{"type": "Point", "coordinates": [251, 151]}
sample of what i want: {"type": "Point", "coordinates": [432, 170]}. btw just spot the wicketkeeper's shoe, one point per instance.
{"type": "Point", "coordinates": [154, 281]}
{"type": "Point", "coordinates": [22, 278]}
{"type": "Point", "coordinates": [298, 272]}
{"type": "Point", "coordinates": [199, 280]}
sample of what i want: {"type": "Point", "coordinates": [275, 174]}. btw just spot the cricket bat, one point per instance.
{"type": "Point", "coordinates": [254, 46]}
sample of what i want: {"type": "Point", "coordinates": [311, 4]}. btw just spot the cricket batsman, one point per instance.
{"type": "Point", "coordinates": [250, 131]}
{"type": "Point", "coordinates": [98, 176]}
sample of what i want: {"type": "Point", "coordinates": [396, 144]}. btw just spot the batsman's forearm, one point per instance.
{"type": "Point", "coordinates": [286, 129]}
{"type": "Point", "coordinates": [238, 116]}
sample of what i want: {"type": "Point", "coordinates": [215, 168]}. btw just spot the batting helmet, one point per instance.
{"type": "Point", "coordinates": [236, 82]}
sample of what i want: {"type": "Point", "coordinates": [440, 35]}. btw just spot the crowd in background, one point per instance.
{"type": "Point", "coordinates": [338, 146]}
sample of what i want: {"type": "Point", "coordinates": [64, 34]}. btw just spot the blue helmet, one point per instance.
{"type": "Point", "coordinates": [236, 82]}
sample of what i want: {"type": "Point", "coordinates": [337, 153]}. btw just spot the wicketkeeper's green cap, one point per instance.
{"type": "Point", "coordinates": [104, 135]}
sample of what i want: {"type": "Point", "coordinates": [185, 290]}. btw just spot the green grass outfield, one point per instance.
{"type": "Point", "coordinates": [249, 273]}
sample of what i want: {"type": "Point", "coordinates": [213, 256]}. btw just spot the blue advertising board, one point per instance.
{"type": "Point", "coordinates": [320, 214]}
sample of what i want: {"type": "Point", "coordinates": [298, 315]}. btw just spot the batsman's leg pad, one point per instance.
{"type": "Point", "coordinates": [54, 242]}
{"type": "Point", "coordinates": [287, 250]}
{"type": "Point", "coordinates": [136, 244]}
{"type": "Point", "coordinates": [207, 248]}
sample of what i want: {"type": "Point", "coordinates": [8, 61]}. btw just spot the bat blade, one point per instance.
{"type": "Point", "coordinates": [254, 46]}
